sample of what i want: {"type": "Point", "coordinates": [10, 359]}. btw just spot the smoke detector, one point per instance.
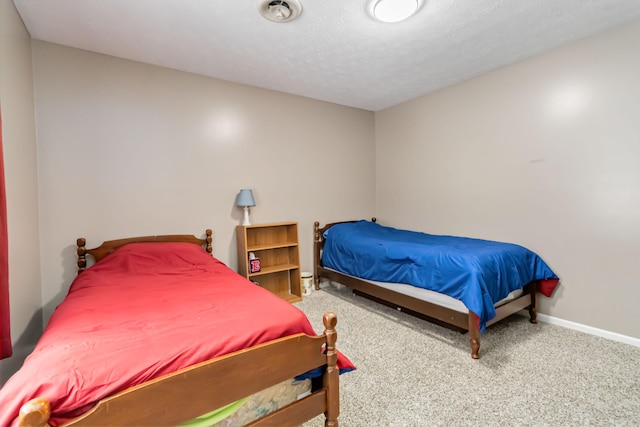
{"type": "Point", "coordinates": [280, 11]}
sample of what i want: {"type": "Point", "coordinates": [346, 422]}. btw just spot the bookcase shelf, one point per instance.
{"type": "Point", "coordinates": [276, 245]}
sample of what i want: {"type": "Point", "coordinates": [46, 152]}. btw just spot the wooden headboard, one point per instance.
{"type": "Point", "coordinates": [111, 245]}
{"type": "Point", "coordinates": [318, 243]}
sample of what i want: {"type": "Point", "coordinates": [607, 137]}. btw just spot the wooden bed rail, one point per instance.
{"type": "Point", "coordinates": [109, 246]}
{"type": "Point", "coordinates": [199, 389]}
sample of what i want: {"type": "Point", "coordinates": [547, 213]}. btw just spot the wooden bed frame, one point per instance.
{"type": "Point", "coordinates": [463, 322]}
{"type": "Point", "coordinates": [202, 388]}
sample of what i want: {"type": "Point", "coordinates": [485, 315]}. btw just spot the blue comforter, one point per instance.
{"type": "Point", "coordinates": [477, 272]}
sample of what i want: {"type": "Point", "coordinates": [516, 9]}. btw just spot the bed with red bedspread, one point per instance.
{"type": "Point", "coordinates": [145, 311]}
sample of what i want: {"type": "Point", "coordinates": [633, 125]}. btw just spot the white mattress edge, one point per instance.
{"type": "Point", "coordinates": [431, 296]}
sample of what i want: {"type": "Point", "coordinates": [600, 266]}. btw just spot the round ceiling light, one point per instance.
{"type": "Point", "coordinates": [394, 10]}
{"type": "Point", "coordinates": [280, 11]}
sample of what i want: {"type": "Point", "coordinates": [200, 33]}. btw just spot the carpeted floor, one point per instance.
{"type": "Point", "coordinates": [413, 373]}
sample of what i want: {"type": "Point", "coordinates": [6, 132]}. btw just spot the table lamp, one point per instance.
{"type": "Point", "coordinates": [245, 200]}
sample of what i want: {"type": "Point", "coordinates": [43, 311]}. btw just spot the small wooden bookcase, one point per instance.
{"type": "Point", "coordinates": [276, 245]}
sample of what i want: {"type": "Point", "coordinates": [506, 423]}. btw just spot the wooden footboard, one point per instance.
{"type": "Point", "coordinates": [199, 389]}
{"type": "Point", "coordinates": [464, 322]}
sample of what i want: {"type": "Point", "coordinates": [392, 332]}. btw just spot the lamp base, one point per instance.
{"type": "Point", "coordinates": [245, 220]}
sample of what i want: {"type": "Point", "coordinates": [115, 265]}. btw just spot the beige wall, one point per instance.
{"type": "Point", "coordinates": [19, 144]}
{"type": "Point", "coordinates": [544, 153]}
{"type": "Point", "coordinates": [128, 149]}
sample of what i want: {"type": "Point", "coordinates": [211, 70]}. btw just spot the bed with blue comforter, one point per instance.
{"type": "Point", "coordinates": [480, 273]}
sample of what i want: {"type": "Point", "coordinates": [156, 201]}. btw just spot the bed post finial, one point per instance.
{"type": "Point", "coordinates": [209, 239]}
{"type": "Point", "coordinates": [81, 251]}
{"type": "Point", "coordinates": [316, 254]}
{"type": "Point", "coordinates": [331, 374]}
{"type": "Point", "coordinates": [35, 413]}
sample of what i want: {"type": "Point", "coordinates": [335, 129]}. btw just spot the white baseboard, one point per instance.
{"type": "Point", "coordinates": [586, 329]}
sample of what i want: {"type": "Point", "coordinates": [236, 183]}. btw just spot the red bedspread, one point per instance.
{"type": "Point", "coordinates": [146, 310]}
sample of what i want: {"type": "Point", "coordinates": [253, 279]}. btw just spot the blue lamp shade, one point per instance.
{"type": "Point", "coordinates": [245, 198]}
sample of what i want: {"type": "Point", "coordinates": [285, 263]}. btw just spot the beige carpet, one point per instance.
{"type": "Point", "coordinates": [413, 373]}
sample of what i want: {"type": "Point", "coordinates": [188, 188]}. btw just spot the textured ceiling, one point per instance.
{"type": "Point", "coordinates": [334, 51]}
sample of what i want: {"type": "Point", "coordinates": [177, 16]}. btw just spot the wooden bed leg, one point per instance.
{"type": "Point", "coordinates": [474, 335]}
{"type": "Point", "coordinates": [331, 379]}
{"type": "Point", "coordinates": [533, 308]}
{"type": "Point", "coordinates": [35, 413]}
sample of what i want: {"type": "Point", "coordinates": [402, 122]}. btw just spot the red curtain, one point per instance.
{"type": "Point", "coordinates": [5, 329]}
